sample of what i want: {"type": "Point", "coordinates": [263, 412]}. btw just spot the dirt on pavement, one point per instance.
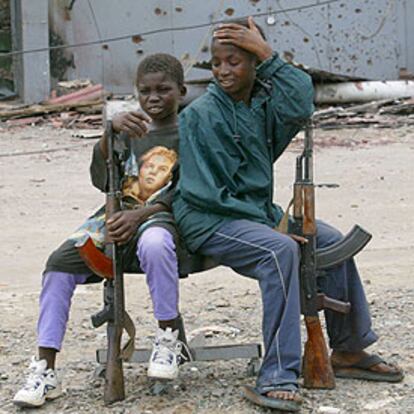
{"type": "Point", "coordinates": [46, 194]}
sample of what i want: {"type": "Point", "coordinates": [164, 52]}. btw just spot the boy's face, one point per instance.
{"type": "Point", "coordinates": [155, 173]}
{"type": "Point", "coordinates": [234, 69]}
{"type": "Point", "coordinates": [159, 96]}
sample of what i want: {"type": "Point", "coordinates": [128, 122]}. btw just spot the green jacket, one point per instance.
{"type": "Point", "coordinates": [227, 150]}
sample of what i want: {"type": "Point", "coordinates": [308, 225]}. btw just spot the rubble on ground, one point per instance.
{"type": "Point", "coordinates": [370, 183]}
{"type": "Point", "coordinates": [387, 113]}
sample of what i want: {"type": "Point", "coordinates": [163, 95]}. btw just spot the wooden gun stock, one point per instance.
{"type": "Point", "coordinates": [114, 376]}
{"type": "Point", "coordinates": [317, 369]}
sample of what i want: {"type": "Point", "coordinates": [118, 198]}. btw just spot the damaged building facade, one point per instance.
{"type": "Point", "coordinates": [6, 72]}
{"type": "Point", "coordinates": [366, 39]}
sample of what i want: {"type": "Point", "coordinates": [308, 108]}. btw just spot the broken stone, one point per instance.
{"type": "Point", "coordinates": [328, 410]}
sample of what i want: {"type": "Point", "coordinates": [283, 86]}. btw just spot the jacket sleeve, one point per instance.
{"type": "Point", "coordinates": [206, 168]}
{"type": "Point", "coordinates": [291, 99]}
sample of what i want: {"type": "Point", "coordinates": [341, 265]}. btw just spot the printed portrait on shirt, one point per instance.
{"type": "Point", "coordinates": [150, 176]}
{"type": "Point", "coordinates": [144, 181]}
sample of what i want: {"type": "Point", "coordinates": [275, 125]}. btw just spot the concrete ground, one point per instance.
{"type": "Point", "coordinates": [44, 196]}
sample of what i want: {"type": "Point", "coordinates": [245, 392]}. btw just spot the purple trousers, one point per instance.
{"type": "Point", "coordinates": [157, 258]}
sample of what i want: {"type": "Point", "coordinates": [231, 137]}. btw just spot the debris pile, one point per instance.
{"type": "Point", "coordinates": [81, 103]}
{"type": "Point", "coordinates": [386, 113]}
{"type": "Point", "coordinates": [79, 109]}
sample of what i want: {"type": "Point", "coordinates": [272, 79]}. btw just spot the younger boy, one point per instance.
{"type": "Point", "coordinates": [229, 139]}
{"type": "Point", "coordinates": [152, 248]}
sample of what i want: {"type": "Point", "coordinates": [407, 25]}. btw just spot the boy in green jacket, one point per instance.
{"type": "Point", "coordinates": [229, 139]}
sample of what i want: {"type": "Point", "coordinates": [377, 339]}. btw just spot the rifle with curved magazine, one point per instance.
{"type": "Point", "coordinates": [335, 254]}
{"type": "Point", "coordinates": [109, 264]}
{"type": "Point", "coordinates": [317, 369]}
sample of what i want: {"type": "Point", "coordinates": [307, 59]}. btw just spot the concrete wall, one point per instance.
{"type": "Point", "coordinates": [6, 74]}
{"type": "Point", "coordinates": [30, 30]}
{"type": "Point", "coordinates": [365, 38]}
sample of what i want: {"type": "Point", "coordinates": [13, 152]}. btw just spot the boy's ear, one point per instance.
{"type": "Point", "coordinates": [183, 91]}
{"type": "Point", "coordinates": [255, 61]}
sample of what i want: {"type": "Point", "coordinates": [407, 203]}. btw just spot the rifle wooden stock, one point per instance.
{"type": "Point", "coordinates": [317, 369]}
{"type": "Point", "coordinates": [114, 376]}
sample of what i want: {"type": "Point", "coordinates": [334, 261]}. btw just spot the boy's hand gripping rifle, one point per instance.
{"type": "Point", "coordinates": [114, 313]}
{"type": "Point", "coordinates": [317, 369]}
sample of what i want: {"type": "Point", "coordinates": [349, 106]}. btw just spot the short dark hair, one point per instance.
{"type": "Point", "coordinates": [243, 21]}
{"type": "Point", "coordinates": [162, 62]}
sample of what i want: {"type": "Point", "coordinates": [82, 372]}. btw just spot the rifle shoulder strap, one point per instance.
{"type": "Point", "coordinates": [129, 347]}
{"type": "Point", "coordinates": [284, 222]}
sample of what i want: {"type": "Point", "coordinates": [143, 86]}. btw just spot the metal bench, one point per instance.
{"type": "Point", "coordinates": [199, 351]}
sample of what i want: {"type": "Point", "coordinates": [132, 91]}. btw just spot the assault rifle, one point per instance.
{"type": "Point", "coordinates": [317, 369]}
{"type": "Point", "coordinates": [113, 313]}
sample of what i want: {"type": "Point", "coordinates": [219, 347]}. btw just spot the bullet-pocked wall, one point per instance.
{"type": "Point", "coordinates": [363, 38]}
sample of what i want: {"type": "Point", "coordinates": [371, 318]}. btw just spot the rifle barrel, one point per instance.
{"type": "Point", "coordinates": [308, 154]}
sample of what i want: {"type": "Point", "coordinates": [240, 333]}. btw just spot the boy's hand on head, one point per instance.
{"type": "Point", "coordinates": [134, 123]}
{"type": "Point", "coordinates": [248, 39]}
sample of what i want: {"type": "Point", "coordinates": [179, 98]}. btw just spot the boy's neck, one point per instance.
{"type": "Point", "coordinates": [243, 96]}
{"type": "Point", "coordinates": [169, 121]}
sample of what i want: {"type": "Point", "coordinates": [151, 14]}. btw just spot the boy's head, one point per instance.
{"type": "Point", "coordinates": [160, 85]}
{"type": "Point", "coordinates": [233, 67]}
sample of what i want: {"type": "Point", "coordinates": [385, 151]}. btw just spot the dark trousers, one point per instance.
{"type": "Point", "coordinates": [257, 251]}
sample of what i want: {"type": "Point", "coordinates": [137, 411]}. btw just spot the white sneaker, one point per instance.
{"type": "Point", "coordinates": [166, 355]}
{"type": "Point", "coordinates": [41, 385]}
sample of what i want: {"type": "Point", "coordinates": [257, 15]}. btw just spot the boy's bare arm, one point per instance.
{"type": "Point", "coordinates": [134, 123]}
{"type": "Point", "coordinates": [248, 39]}
{"type": "Point", "coordinates": [123, 224]}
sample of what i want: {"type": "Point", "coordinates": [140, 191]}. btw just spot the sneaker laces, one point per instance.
{"type": "Point", "coordinates": [33, 381]}
{"type": "Point", "coordinates": [165, 347]}
{"type": "Point", "coordinates": [162, 354]}
{"type": "Point", "coordinates": [36, 373]}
